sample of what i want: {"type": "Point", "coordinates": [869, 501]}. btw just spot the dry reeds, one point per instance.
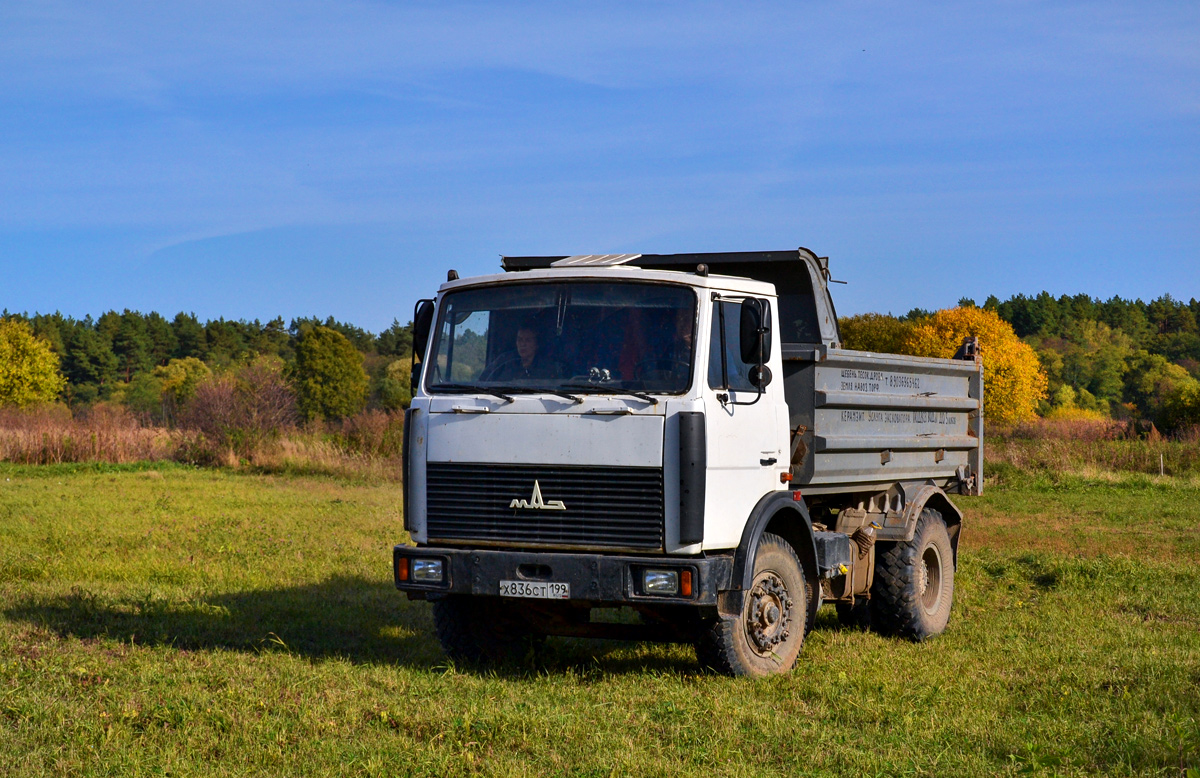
{"type": "Point", "coordinates": [1086, 429]}
{"type": "Point", "coordinates": [230, 430]}
{"type": "Point", "coordinates": [253, 425]}
{"type": "Point", "coordinates": [1086, 446]}
{"type": "Point", "coordinates": [105, 433]}
{"type": "Point", "coordinates": [323, 453]}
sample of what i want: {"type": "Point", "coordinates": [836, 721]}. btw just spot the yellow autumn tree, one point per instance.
{"type": "Point", "coordinates": [1013, 378]}
{"type": "Point", "coordinates": [28, 366]}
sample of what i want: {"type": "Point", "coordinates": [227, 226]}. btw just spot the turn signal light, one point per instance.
{"type": "Point", "coordinates": [685, 583]}
{"type": "Point", "coordinates": [402, 569]}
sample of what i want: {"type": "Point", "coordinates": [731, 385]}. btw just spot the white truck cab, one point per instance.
{"type": "Point", "coordinates": [644, 431]}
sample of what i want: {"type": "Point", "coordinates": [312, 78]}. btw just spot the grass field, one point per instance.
{"type": "Point", "coordinates": [175, 621]}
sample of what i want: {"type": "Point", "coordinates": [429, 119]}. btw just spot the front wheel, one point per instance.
{"type": "Point", "coordinates": [914, 582]}
{"type": "Point", "coordinates": [767, 637]}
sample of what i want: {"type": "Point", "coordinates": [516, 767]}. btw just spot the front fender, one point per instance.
{"type": "Point", "coordinates": [783, 515]}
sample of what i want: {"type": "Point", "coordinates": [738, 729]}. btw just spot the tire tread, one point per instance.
{"type": "Point", "coordinates": [716, 645]}
{"type": "Point", "coordinates": [894, 606]}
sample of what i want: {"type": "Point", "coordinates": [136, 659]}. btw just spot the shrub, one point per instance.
{"type": "Point", "coordinates": [238, 411]}
{"type": "Point", "coordinates": [267, 400]}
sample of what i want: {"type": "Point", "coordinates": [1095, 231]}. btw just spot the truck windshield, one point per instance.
{"type": "Point", "coordinates": [581, 335]}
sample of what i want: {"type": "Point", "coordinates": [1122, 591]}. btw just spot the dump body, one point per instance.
{"type": "Point", "coordinates": [860, 419]}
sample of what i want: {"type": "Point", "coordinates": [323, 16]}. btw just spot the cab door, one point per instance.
{"type": "Point", "coordinates": [745, 429]}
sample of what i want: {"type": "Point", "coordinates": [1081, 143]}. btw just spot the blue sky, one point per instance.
{"type": "Point", "coordinates": [248, 160]}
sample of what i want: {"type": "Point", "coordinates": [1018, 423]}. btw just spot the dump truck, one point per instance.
{"type": "Point", "coordinates": [676, 447]}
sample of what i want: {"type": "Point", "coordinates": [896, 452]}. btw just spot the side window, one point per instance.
{"type": "Point", "coordinates": [462, 346]}
{"type": "Point", "coordinates": [736, 370]}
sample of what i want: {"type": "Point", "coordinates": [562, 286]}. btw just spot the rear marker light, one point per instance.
{"type": "Point", "coordinates": [796, 495]}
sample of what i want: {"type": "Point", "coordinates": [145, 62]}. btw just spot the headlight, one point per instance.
{"type": "Point", "coordinates": [427, 570]}
{"type": "Point", "coordinates": [660, 581]}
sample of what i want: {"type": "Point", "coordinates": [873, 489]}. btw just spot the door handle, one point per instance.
{"type": "Point", "coordinates": [768, 462]}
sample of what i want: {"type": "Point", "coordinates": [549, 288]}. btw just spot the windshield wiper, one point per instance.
{"type": "Point", "coordinates": [472, 388]}
{"type": "Point", "coordinates": [572, 397]}
{"type": "Point", "coordinates": [606, 390]}
{"type": "Point", "coordinates": [542, 390]}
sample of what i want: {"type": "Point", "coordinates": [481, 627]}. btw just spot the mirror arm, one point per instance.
{"type": "Point", "coordinates": [724, 365]}
{"type": "Point", "coordinates": [757, 397]}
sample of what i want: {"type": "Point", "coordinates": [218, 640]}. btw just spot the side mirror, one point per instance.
{"type": "Point", "coordinates": [755, 333]}
{"type": "Point", "coordinates": [422, 323]}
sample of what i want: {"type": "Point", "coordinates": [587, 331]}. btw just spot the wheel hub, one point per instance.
{"type": "Point", "coordinates": [929, 579]}
{"type": "Point", "coordinates": [769, 613]}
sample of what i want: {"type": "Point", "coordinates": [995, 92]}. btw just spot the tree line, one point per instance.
{"type": "Point", "coordinates": [153, 364]}
{"type": "Point", "coordinates": [1164, 326]}
{"type": "Point", "coordinates": [1118, 358]}
{"type": "Point", "coordinates": [1115, 358]}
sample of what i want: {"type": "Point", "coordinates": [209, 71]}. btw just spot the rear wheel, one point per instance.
{"type": "Point", "coordinates": [914, 582]}
{"type": "Point", "coordinates": [766, 638]}
{"type": "Point", "coordinates": [482, 631]}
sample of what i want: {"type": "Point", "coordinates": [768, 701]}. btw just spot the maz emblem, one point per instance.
{"type": "Point", "coordinates": [536, 503]}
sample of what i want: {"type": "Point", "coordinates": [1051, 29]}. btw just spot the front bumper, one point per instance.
{"type": "Point", "coordinates": [594, 578]}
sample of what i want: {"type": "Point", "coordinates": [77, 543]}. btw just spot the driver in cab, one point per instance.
{"type": "Point", "coordinates": [525, 363]}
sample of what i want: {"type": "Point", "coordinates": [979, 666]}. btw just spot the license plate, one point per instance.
{"type": "Point", "coordinates": [538, 590]}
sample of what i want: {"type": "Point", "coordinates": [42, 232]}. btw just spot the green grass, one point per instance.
{"type": "Point", "coordinates": [172, 621]}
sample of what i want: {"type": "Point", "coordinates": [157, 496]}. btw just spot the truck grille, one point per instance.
{"type": "Point", "coordinates": [620, 507]}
